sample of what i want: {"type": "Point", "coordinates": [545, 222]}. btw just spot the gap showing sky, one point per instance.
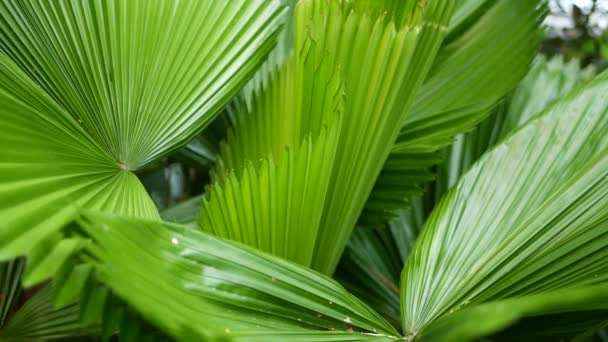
{"type": "Point", "coordinates": [558, 21]}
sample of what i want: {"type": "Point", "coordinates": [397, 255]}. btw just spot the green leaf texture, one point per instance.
{"type": "Point", "coordinates": [512, 228]}
{"type": "Point", "coordinates": [92, 91]}
{"type": "Point", "coordinates": [546, 82]}
{"type": "Point", "coordinates": [191, 284]}
{"type": "Point", "coordinates": [39, 320]}
{"type": "Point", "coordinates": [296, 101]}
{"type": "Point", "coordinates": [374, 258]}
{"type": "Point", "coordinates": [489, 49]}
{"type": "Point", "coordinates": [481, 320]}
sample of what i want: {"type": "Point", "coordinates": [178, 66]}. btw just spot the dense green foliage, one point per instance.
{"type": "Point", "coordinates": [391, 145]}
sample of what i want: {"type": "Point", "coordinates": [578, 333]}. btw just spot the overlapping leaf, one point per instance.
{"type": "Point", "coordinates": [546, 82]}
{"type": "Point", "coordinates": [382, 65]}
{"type": "Point", "coordinates": [88, 94]}
{"type": "Point", "coordinates": [195, 286]}
{"type": "Point", "coordinates": [482, 320]}
{"type": "Point", "coordinates": [512, 228]}
{"type": "Point", "coordinates": [93, 90]}
{"type": "Point", "coordinates": [488, 50]}
{"type": "Point", "coordinates": [39, 320]}
{"type": "Point", "coordinates": [374, 258]}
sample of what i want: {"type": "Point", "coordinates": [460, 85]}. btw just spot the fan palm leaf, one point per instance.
{"type": "Point", "coordinates": [296, 100]}
{"type": "Point", "coordinates": [87, 97]}
{"type": "Point", "coordinates": [488, 49]}
{"type": "Point", "coordinates": [525, 233]}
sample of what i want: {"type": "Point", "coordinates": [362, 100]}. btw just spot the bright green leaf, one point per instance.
{"type": "Point", "coordinates": [510, 227]}
{"type": "Point", "coordinates": [88, 94]}
{"type": "Point", "coordinates": [479, 64]}
{"type": "Point", "coordinates": [191, 283]}
{"type": "Point", "coordinates": [295, 101]}
{"type": "Point", "coordinates": [38, 320]}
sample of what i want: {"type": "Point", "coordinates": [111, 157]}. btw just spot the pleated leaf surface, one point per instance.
{"type": "Point", "coordinates": [93, 90]}
{"type": "Point", "coordinates": [489, 48]}
{"type": "Point", "coordinates": [512, 227]}
{"type": "Point", "coordinates": [379, 65]}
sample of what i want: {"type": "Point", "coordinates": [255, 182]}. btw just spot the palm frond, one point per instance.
{"type": "Point", "coordinates": [194, 285]}
{"type": "Point", "coordinates": [51, 164]}
{"type": "Point", "coordinates": [523, 226]}
{"type": "Point", "coordinates": [103, 63]}
{"type": "Point", "coordinates": [488, 50]}
{"type": "Point", "coordinates": [481, 320]}
{"type": "Point", "coordinates": [298, 99]}
{"type": "Point", "coordinates": [86, 98]}
{"type": "Point", "coordinates": [546, 82]}
{"type": "Point", "coordinates": [39, 320]}
{"type": "Point", "coordinates": [374, 257]}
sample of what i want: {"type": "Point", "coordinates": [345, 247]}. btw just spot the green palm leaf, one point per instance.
{"type": "Point", "coordinates": [51, 164]}
{"type": "Point", "coordinates": [255, 203]}
{"type": "Point", "coordinates": [194, 285]}
{"type": "Point", "coordinates": [87, 96]}
{"type": "Point", "coordinates": [546, 82]}
{"type": "Point", "coordinates": [484, 319]}
{"type": "Point", "coordinates": [488, 50]}
{"type": "Point", "coordinates": [523, 229]}
{"type": "Point", "coordinates": [104, 63]}
{"type": "Point", "coordinates": [295, 102]}
{"type": "Point", "coordinates": [374, 258]}
{"type": "Point", "coordinates": [39, 320]}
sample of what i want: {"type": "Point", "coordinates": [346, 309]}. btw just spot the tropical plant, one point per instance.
{"type": "Point", "coordinates": [328, 117]}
